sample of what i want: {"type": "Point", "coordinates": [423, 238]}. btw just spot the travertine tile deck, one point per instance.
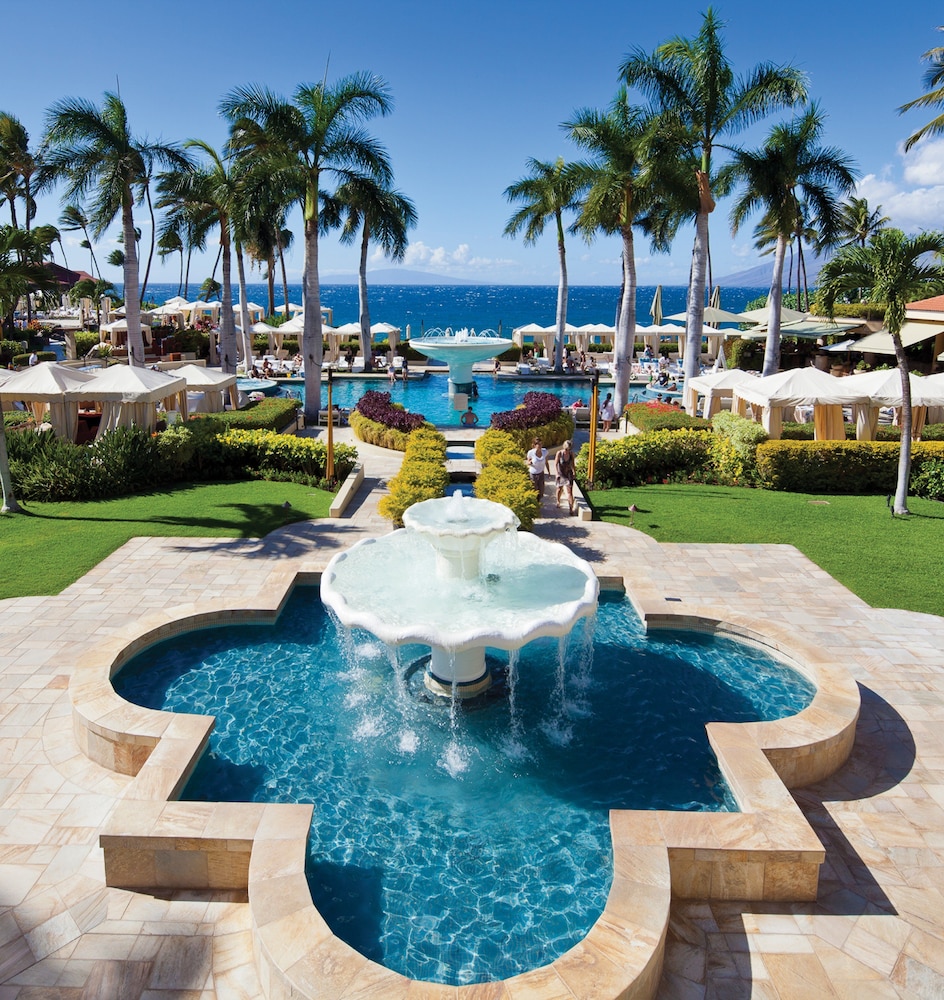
{"type": "Point", "coordinates": [876, 929]}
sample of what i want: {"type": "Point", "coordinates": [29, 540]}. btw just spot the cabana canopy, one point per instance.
{"type": "Point", "coordinates": [130, 396]}
{"type": "Point", "coordinates": [212, 383]}
{"type": "Point", "coordinates": [713, 386]}
{"type": "Point", "coordinates": [46, 384]}
{"type": "Point", "coordinates": [880, 342]}
{"type": "Point", "coordinates": [800, 387]}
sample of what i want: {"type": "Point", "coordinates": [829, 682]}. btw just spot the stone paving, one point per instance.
{"type": "Point", "coordinates": [876, 929]}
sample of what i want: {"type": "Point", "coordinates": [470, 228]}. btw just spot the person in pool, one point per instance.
{"type": "Point", "coordinates": [469, 418]}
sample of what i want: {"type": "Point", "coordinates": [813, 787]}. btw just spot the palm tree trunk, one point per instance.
{"type": "Point", "coordinates": [132, 303]}
{"type": "Point", "coordinates": [695, 307]}
{"type": "Point", "coordinates": [180, 280]}
{"type": "Point", "coordinates": [187, 273]}
{"type": "Point", "coordinates": [626, 323]}
{"type": "Point", "coordinates": [227, 320]}
{"type": "Point", "coordinates": [244, 309]}
{"type": "Point", "coordinates": [270, 286]}
{"type": "Point", "coordinates": [775, 304]}
{"type": "Point", "coordinates": [10, 506]}
{"type": "Point", "coordinates": [904, 452]}
{"type": "Point", "coordinates": [363, 306]}
{"type": "Point", "coordinates": [561, 298]}
{"type": "Point", "coordinates": [281, 249]}
{"type": "Point", "coordinates": [147, 270]}
{"type": "Point", "coordinates": [311, 335]}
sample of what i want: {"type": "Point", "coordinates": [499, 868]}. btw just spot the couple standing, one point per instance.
{"type": "Point", "coordinates": [563, 470]}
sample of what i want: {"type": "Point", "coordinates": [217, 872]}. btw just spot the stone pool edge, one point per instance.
{"type": "Point", "coordinates": [767, 851]}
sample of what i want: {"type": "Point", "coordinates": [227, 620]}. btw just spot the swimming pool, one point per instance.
{"type": "Point", "coordinates": [464, 846]}
{"type": "Point", "coordinates": [430, 395]}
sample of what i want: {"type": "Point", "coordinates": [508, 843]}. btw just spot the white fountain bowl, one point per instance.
{"type": "Point", "coordinates": [459, 516]}
{"type": "Point", "coordinates": [528, 588]}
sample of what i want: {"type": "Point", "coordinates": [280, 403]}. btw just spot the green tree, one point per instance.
{"type": "Point", "coordinates": [546, 193]}
{"type": "Point", "coordinates": [320, 132]}
{"type": "Point", "coordinates": [88, 288]}
{"type": "Point", "coordinates": [692, 82]}
{"type": "Point", "coordinates": [894, 269]}
{"type": "Point", "coordinates": [374, 213]}
{"type": "Point", "coordinates": [858, 223]}
{"type": "Point", "coordinates": [622, 192]}
{"type": "Point", "coordinates": [18, 166]}
{"type": "Point", "coordinates": [792, 174]}
{"type": "Point", "coordinates": [92, 150]}
{"type": "Point", "coordinates": [72, 219]}
{"type": "Point", "coordinates": [933, 98]}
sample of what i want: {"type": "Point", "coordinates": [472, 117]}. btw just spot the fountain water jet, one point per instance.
{"type": "Point", "coordinates": [459, 579]}
{"type": "Point", "coordinates": [460, 350]}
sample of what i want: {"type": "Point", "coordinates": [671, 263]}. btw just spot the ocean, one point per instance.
{"type": "Point", "coordinates": [479, 307]}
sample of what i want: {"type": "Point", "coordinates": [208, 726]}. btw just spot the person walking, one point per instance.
{"type": "Point", "coordinates": [607, 412]}
{"type": "Point", "coordinates": [564, 475]}
{"type": "Point", "coordinates": [537, 464]}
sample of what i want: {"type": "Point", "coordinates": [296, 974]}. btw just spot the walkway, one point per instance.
{"type": "Point", "coordinates": [876, 930]}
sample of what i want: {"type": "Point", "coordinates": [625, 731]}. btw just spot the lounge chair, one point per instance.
{"type": "Point", "coordinates": [358, 365]}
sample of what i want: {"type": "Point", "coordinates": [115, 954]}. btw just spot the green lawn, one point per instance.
{"type": "Point", "coordinates": [52, 544]}
{"type": "Point", "coordinates": [888, 562]}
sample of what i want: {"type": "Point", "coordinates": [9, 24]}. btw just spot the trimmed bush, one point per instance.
{"type": "Point", "coordinates": [656, 416]}
{"type": "Point", "coordinates": [85, 342]}
{"type": "Point", "coordinates": [540, 415]}
{"type": "Point", "coordinates": [928, 479]}
{"type": "Point", "coordinates": [656, 457]}
{"type": "Point", "coordinates": [494, 442]}
{"type": "Point", "coordinates": [857, 467]}
{"type": "Point", "coordinates": [504, 478]}
{"type": "Point", "coordinates": [422, 475]}
{"type": "Point", "coordinates": [377, 406]}
{"type": "Point", "coordinates": [269, 414]}
{"type": "Point", "coordinates": [734, 450]}
{"type": "Point", "coordinates": [267, 455]}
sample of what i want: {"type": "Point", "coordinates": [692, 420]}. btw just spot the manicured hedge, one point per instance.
{"type": "Point", "coordinates": [422, 475]}
{"type": "Point", "coordinates": [269, 414]}
{"type": "Point", "coordinates": [657, 416]}
{"type": "Point", "coordinates": [855, 467]}
{"type": "Point", "coordinates": [659, 456]}
{"type": "Point", "coordinates": [22, 360]}
{"type": "Point", "coordinates": [504, 478]}
{"type": "Point", "coordinates": [539, 416]}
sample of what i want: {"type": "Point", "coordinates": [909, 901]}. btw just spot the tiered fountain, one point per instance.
{"type": "Point", "coordinates": [459, 579]}
{"type": "Point", "coordinates": [460, 349]}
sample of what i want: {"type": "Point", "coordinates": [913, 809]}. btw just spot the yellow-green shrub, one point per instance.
{"type": "Point", "coordinates": [422, 475]}
{"type": "Point", "coordinates": [283, 456]}
{"type": "Point", "coordinates": [372, 432]}
{"type": "Point", "coordinates": [492, 442]}
{"type": "Point", "coordinates": [504, 478]}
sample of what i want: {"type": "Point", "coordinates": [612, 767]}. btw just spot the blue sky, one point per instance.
{"type": "Point", "coordinates": [478, 89]}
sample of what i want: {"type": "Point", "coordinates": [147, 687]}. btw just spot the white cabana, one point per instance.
{"type": "Point", "coordinates": [170, 313]}
{"type": "Point", "coordinates": [293, 309]}
{"type": "Point", "coordinates": [883, 389]}
{"type": "Point", "coordinates": [256, 312]}
{"type": "Point", "coordinates": [388, 330]}
{"type": "Point", "coordinates": [799, 387]}
{"type": "Point", "coordinates": [202, 310]}
{"type": "Point", "coordinates": [130, 395]}
{"type": "Point", "coordinates": [714, 386]}
{"type": "Point", "coordinates": [45, 385]}
{"type": "Point", "coordinates": [210, 385]}
{"type": "Point", "coordinates": [121, 326]}
{"type": "Point", "coordinates": [536, 334]}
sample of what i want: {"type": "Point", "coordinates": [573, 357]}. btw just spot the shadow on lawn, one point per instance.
{"type": "Point", "coordinates": [256, 519]}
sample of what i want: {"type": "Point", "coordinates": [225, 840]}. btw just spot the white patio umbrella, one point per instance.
{"type": "Point", "coordinates": [655, 310]}
{"type": "Point", "coordinates": [293, 309]}
{"type": "Point", "coordinates": [45, 385]}
{"type": "Point", "coordinates": [762, 315]}
{"type": "Point", "coordinates": [130, 395]}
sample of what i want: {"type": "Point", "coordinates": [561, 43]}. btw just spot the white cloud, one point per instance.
{"type": "Point", "coordinates": [924, 164]}
{"type": "Point", "coordinates": [460, 261]}
{"type": "Point", "coordinates": [743, 250]}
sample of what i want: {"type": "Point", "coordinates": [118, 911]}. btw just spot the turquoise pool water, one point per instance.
{"type": "Point", "coordinates": [470, 845]}
{"type": "Point", "coordinates": [430, 396]}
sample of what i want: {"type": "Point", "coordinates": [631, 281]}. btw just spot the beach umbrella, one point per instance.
{"type": "Point", "coordinates": [655, 310]}
{"type": "Point", "coordinates": [762, 315]}
{"type": "Point", "coordinates": [715, 315]}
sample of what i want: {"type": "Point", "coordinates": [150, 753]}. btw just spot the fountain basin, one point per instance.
{"type": "Point", "coordinates": [416, 586]}
{"type": "Point", "coordinates": [460, 349]}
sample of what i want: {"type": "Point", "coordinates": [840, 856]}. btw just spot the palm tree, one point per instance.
{"type": "Point", "coordinates": [550, 190]}
{"type": "Point", "coordinates": [895, 269]}
{"type": "Point", "coordinates": [89, 288]}
{"type": "Point", "coordinates": [693, 82]}
{"type": "Point", "coordinates": [18, 165]}
{"type": "Point", "coordinates": [92, 148]}
{"type": "Point", "coordinates": [212, 192]}
{"type": "Point", "coordinates": [375, 213]}
{"type": "Point", "coordinates": [73, 219]}
{"type": "Point", "coordinates": [320, 132]}
{"type": "Point", "coordinates": [792, 175]}
{"type": "Point", "coordinates": [934, 98]}
{"type": "Point", "coordinates": [857, 223]}
{"type": "Point", "coordinates": [621, 189]}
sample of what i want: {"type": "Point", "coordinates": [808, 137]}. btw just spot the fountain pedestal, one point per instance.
{"type": "Point", "coordinates": [444, 582]}
{"type": "Point", "coordinates": [460, 350]}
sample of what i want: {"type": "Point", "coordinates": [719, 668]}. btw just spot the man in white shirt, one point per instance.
{"type": "Point", "coordinates": [537, 464]}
